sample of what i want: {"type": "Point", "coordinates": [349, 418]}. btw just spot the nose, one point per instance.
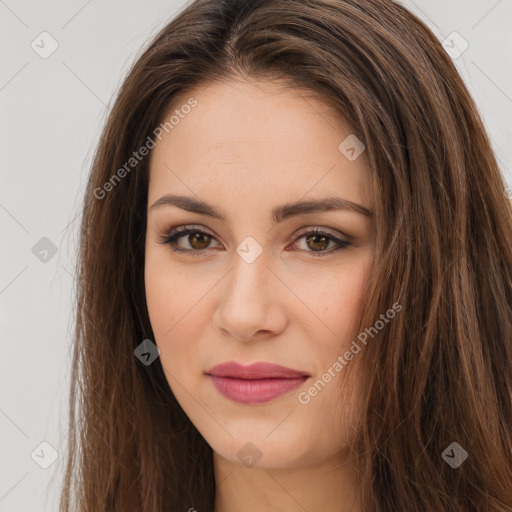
{"type": "Point", "coordinates": [250, 307]}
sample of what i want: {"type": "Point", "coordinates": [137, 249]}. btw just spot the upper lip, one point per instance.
{"type": "Point", "coordinates": [255, 371]}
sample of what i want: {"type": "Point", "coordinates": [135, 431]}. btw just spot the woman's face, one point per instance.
{"type": "Point", "coordinates": [251, 283]}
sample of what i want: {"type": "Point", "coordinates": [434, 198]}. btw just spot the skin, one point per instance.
{"type": "Point", "coordinates": [247, 147]}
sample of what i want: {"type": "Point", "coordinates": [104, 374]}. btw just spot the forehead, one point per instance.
{"type": "Point", "coordinates": [256, 137]}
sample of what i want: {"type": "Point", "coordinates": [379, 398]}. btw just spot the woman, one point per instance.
{"type": "Point", "coordinates": [295, 277]}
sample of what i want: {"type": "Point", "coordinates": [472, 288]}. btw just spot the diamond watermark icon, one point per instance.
{"type": "Point", "coordinates": [44, 45]}
{"type": "Point", "coordinates": [455, 45]}
{"type": "Point", "coordinates": [249, 249]}
{"type": "Point", "coordinates": [249, 455]}
{"type": "Point", "coordinates": [455, 455]}
{"type": "Point", "coordinates": [351, 147]}
{"type": "Point", "coordinates": [44, 250]}
{"type": "Point", "coordinates": [146, 352]}
{"type": "Point", "coordinates": [44, 455]}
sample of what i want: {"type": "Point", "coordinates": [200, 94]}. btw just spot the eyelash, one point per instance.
{"type": "Point", "coordinates": [176, 233]}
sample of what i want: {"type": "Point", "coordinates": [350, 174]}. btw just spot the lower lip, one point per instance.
{"type": "Point", "coordinates": [255, 391]}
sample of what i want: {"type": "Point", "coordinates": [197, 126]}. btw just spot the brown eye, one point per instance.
{"type": "Point", "coordinates": [190, 240]}
{"type": "Point", "coordinates": [199, 240]}
{"type": "Point", "coordinates": [195, 241]}
{"type": "Point", "coordinates": [317, 242]}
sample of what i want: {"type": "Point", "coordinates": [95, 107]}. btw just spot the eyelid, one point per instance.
{"type": "Point", "coordinates": [174, 233]}
{"type": "Point", "coordinates": [341, 240]}
{"type": "Point", "coordinates": [190, 227]}
{"type": "Point", "coordinates": [321, 230]}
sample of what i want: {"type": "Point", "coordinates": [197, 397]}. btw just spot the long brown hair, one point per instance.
{"type": "Point", "coordinates": [441, 371]}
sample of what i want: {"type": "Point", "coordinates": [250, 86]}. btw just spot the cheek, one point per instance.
{"type": "Point", "coordinates": [160, 298]}
{"type": "Point", "coordinates": [348, 300]}
{"type": "Point", "coordinates": [167, 307]}
{"type": "Point", "coordinates": [340, 306]}
{"type": "Point", "coordinates": [170, 294]}
{"type": "Point", "coordinates": [177, 315]}
{"type": "Point", "coordinates": [336, 297]}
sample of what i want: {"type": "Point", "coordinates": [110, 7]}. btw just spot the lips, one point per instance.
{"type": "Point", "coordinates": [256, 383]}
{"type": "Point", "coordinates": [255, 371]}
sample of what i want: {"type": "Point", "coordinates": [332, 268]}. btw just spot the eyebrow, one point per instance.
{"type": "Point", "coordinates": [279, 213]}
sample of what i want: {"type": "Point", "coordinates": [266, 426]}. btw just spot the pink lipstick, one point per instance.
{"type": "Point", "coordinates": [256, 383]}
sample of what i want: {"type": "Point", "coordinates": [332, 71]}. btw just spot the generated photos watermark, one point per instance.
{"type": "Point", "coordinates": [333, 371]}
{"type": "Point", "coordinates": [143, 151]}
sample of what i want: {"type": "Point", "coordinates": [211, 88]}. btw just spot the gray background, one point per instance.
{"type": "Point", "coordinates": [51, 113]}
